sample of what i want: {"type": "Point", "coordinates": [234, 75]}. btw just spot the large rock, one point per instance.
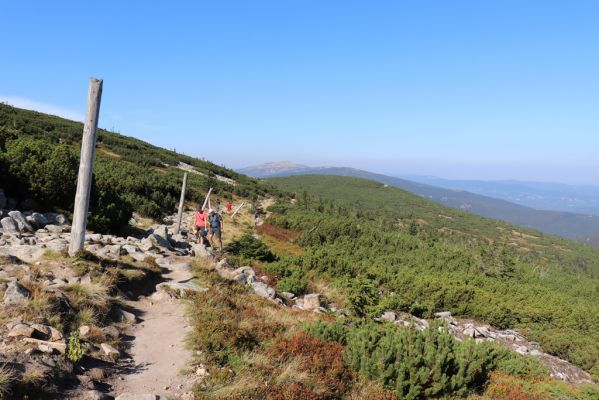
{"type": "Point", "coordinates": [9, 225]}
{"type": "Point", "coordinates": [57, 245]}
{"type": "Point", "coordinates": [113, 250]}
{"type": "Point", "coordinates": [54, 228]}
{"type": "Point", "coordinates": [21, 330]}
{"type": "Point", "coordinates": [57, 219]}
{"type": "Point", "coordinates": [263, 290]}
{"type": "Point", "coordinates": [21, 221]}
{"type": "Point", "coordinates": [199, 250]}
{"type": "Point", "coordinates": [59, 346]}
{"type": "Point", "coordinates": [388, 316]}
{"type": "Point", "coordinates": [146, 244]}
{"type": "Point", "coordinates": [471, 331]}
{"type": "Point", "coordinates": [110, 351]}
{"type": "Point", "coordinates": [23, 252]}
{"type": "Point", "coordinates": [244, 275]}
{"type": "Point", "coordinates": [159, 237]}
{"type": "Point", "coordinates": [15, 294]}
{"type": "Point", "coordinates": [309, 302]}
{"type": "Point", "coordinates": [131, 250]}
{"type": "Point", "coordinates": [37, 220]}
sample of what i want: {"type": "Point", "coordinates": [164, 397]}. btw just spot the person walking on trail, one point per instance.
{"type": "Point", "coordinates": [218, 205]}
{"type": "Point", "coordinates": [229, 207]}
{"type": "Point", "coordinates": [216, 227]}
{"type": "Point", "coordinates": [256, 216]}
{"type": "Point", "coordinates": [200, 220]}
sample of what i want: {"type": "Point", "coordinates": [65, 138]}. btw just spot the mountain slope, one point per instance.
{"type": "Point", "coordinates": [39, 161]}
{"type": "Point", "coordinates": [272, 169]}
{"type": "Point", "coordinates": [421, 257]}
{"type": "Point", "coordinates": [582, 227]}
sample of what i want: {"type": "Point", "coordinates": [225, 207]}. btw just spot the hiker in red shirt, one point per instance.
{"type": "Point", "coordinates": [199, 221]}
{"type": "Point", "coordinates": [229, 207]}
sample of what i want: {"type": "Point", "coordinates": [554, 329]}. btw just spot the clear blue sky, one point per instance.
{"type": "Point", "coordinates": [468, 89]}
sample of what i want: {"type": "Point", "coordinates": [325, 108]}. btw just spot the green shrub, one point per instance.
{"type": "Point", "coordinates": [418, 364]}
{"type": "Point", "coordinates": [295, 283]}
{"type": "Point", "coordinates": [250, 248]}
{"type": "Point", "coordinates": [522, 366]}
{"type": "Point", "coordinates": [334, 331]}
{"type": "Point", "coordinates": [362, 295]}
{"type": "Point", "coordinates": [76, 349]}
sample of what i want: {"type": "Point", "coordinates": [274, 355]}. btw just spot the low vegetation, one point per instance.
{"type": "Point", "coordinates": [385, 249]}
{"type": "Point", "coordinates": [39, 157]}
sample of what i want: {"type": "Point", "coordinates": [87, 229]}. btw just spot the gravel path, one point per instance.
{"type": "Point", "coordinates": [158, 348]}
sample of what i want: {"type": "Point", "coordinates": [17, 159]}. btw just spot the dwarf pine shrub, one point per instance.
{"type": "Point", "coordinates": [417, 364]}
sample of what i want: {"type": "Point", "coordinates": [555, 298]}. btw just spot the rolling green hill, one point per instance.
{"type": "Point", "coordinates": [422, 257]}
{"type": "Point", "coordinates": [571, 225]}
{"type": "Point", "coordinates": [39, 160]}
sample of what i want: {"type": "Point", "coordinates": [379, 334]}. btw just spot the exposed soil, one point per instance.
{"type": "Point", "coordinates": [157, 344]}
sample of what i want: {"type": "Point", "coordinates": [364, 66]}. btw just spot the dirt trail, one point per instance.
{"type": "Point", "coordinates": [158, 348]}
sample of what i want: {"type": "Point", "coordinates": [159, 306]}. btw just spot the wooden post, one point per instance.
{"type": "Point", "coordinates": [86, 166]}
{"type": "Point", "coordinates": [181, 201]}
{"type": "Point", "coordinates": [206, 199]}
{"type": "Point", "coordinates": [238, 208]}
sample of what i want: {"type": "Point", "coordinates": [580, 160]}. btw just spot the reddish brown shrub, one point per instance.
{"type": "Point", "coordinates": [321, 358]}
{"type": "Point", "coordinates": [276, 232]}
{"type": "Point", "coordinates": [505, 387]}
{"type": "Point", "coordinates": [293, 391]}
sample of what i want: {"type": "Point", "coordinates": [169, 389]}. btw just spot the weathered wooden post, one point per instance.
{"type": "Point", "coordinates": [86, 166]}
{"type": "Point", "coordinates": [207, 198]}
{"type": "Point", "coordinates": [238, 208]}
{"type": "Point", "coordinates": [181, 201]}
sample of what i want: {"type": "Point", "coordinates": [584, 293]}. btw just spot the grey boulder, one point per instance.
{"type": "Point", "coordinates": [15, 294]}
{"type": "Point", "coordinates": [21, 221]}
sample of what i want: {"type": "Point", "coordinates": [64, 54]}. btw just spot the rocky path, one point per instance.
{"type": "Point", "coordinates": [157, 345]}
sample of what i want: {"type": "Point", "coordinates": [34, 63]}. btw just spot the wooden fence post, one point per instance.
{"type": "Point", "coordinates": [206, 199]}
{"type": "Point", "coordinates": [181, 201]}
{"type": "Point", "coordinates": [86, 166]}
{"type": "Point", "coordinates": [238, 208]}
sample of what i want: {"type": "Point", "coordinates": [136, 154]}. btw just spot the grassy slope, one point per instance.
{"type": "Point", "coordinates": [552, 292]}
{"type": "Point", "coordinates": [145, 171]}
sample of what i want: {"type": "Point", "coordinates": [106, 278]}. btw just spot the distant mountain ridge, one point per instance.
{"type": "Point", "coordinates": [581, 227]}
{"type": "Point", "coordinates": [539, 195]}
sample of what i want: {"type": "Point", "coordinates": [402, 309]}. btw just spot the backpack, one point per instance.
{"type": "Point", "coordinates": [215, 221]}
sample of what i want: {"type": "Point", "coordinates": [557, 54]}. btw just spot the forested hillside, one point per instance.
{"type": "Point", "coordinates": [39, 161]}
{"type": "Point", "coordinates": [386, 249]}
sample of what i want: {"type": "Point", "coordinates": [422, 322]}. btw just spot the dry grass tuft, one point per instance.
{"type": "Point", "coordinates": [7, 377]}
{"type": "Point", "coordinates": [83, 295]}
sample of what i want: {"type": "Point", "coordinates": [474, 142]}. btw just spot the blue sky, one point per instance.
{"type": "Point", "coordinates": [457, 89]}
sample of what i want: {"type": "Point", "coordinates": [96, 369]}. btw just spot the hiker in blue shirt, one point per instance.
{"type": "Point", "coordinates": [216, 227]}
